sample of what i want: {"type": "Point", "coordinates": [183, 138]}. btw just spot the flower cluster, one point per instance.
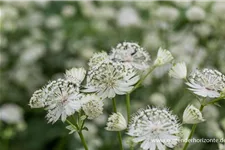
{"type": "Point", "coordinates": [206, 83]}
{"type": "Point", "coordinates": [155, 128]}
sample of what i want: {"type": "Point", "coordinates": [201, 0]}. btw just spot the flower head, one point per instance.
{"type": "Point", "coordinates": [192, 115]}
{"type": "Point", "coordinates": [92, 106]}
{"type": "Point", "coordinates": [155, 128]}
{"type": "Point", "coordinates": [97, 59]}
{"type": "Point", "coordinates": [163, 56]}
{"type": "Point", "coordinates": [60, 98]}
{"type": "Point", "coordinates": [11, 113]}
{"type": "Point", "coordinates": [206, 83]}
{"type": "Point", "coordinates": [75, 75]}
{"type": "Point", "coordinates": [131, 54]}
{"type": "Point", "coordinates": [111, 78]}
{"type": "Point", "coordinates": [178, 71]}
{"type": "Point", "coordinates": [116, 122]}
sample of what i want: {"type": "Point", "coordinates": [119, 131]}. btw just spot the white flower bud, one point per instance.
{"type": "Point", "coordinates": [116, 122]}
{"type": "Point", "coordinates": [163, 56]}
{"type": "Point", "coordinates": [195, 13]}
{"type": "Point", "coordinates": [93, 107]}
{"type": "Point", "coordinates": [192, 115]}
{"type": "Point", "coordinates": [179, 71]}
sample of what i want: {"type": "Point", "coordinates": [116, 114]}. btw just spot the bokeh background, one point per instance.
{"type": "Point", "coordinates": [40, 40]}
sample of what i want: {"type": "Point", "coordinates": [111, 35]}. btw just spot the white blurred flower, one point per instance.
{"type": "Point", "coordinates": [158, 99]}
{"type": "Point", "coordinates": [11, 113]}
{"type": "Point", "coordinates": [155, 129]}
{"type": "Point", "coordinates": [60, 98]}
{"type": "Point", "coordinates": [131, 54]}
{"type": "Point", "coordinates": [221, 146]}
{"type": "Point", "coordinates": [116, 122]}
{"type": "Point", "coordinates": [192, 115]}
{"type": "Point", "coordinates": [128, 16]}
{"type": "Point", "coordinates": [218, 9]}
{"type": "Point", "coordinates": [211, 112]}
{"type": "Point", "coordinates": [179, 71]}
{"type": "Point", "coordinates": [167, 13]}
{"type": "Point", "coordinates": [195, 13]}
{"type": "Point", "coordinates": [75, 75]}
{"type": "Point", "coordinates": [68, 11]}
{"type": "Point", "coordinates": [111, 78]}
{"type": "Point", "coordinates": [163, 56]}
{"type": "Point", "coordinates": [53, 22]}
{"type": "Point", "coordinates": [92, 106]}
{"type": "Point", "coordinates": [206, 83]}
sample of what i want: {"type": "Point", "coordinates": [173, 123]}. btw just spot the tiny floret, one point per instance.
{"type": "Point", "coordinates": [163, 57]}
{"type": "Point", "coordinates": [75, 75]}
{"type": "Point", "coordinates": [116, 122]}
{"type": "Point", "coordinates": [179, 71]}
{"type": "Point", "coordinates": [206, 83]}
{"type": "Point", "coordinates": [154, 128]}
{"type": "Point", "coordinates": [92, 106]}
{"type": "Point", "coordinates": [131, 54]}
{"type": "Point", "coordinates": [192, 115]}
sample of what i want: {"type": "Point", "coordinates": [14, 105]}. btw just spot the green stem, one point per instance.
{"type": "Point", "coordinates": [118, 133]}
{"type": "Point", "coordinates": [215, 100]}
{"type": "Point", "coordinates": [76, 128]}
{"type": "Point", "coordinates": [142, 79]}
{"type": "Point", "coordinates": [192, 131]}
{"type": "Point", "coordinates": [128, 107]}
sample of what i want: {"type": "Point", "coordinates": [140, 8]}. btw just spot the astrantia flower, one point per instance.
{"type": "Point", "coordinates": [131, 54]}
{"type": "Point", "coordinates": [116, 122]}
{"type": "Point", "coordinates": [97, 59]}
{"type": "Point", "coordinates": [192, 115]}
{"type": "Point", "coordinates": [75, 75]}
{"type": "Point", "coordinates": [92, 106]}
{"type": "Point", "coordinates": [111, 78]}
{"type": "Point", "coordinates": [178, 71]}
{"type": "Point", "coordinates": [60, 98]}
{"type": "Point", "coordinates": [206, 83]}
{"type": "Point", "coordinates": [155, 129]}
{"type": "Point", "coordinates": [11, 113]}
{"type": "Point", "coordinates": [163, 56]}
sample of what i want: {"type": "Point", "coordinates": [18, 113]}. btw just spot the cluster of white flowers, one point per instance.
{"type": "Point", "coordinates": [206, 83]}
{"type": "Point", "coordinates": [155, 128]}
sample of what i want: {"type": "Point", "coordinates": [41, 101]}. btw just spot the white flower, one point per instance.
{"type": "Point", "coordinates": [110, 79]}
{"type": "Point", "coordinates": [131, 54]}
{"type": "Point", "coordinates": [155, 129]}
{"type": "Point", "coordinates": [192, 115]}
{"type": "Point", "coordinates": [11, 113]}
{"type": "Point", "coordinates": [92, 106]}
{"type": "Point", "coordinates": [97, 59]}
{"type": "Point", "coordinates": [179, 71]}
{"type": "Point", "coordinates": [60, 98]}
{"type": "Point", "coordinates": [167, 13]}
{"type": "Point", "coordinates": [127, 16]}
{"type": "Point", "coordinates": [163, 56]}
{"type": "Point", "coordinates": [206, 83]}
{"type": "Point", "coordinates": [116, 122]}
{"type": "Point", "coordinates": [75, 75]}
{"type": "Point", "coordinates": [195, 13]}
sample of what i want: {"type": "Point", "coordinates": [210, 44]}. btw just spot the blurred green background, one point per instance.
{"type": "Point", "coordinates": [40, 40]}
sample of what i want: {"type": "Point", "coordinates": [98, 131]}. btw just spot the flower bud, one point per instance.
{"type": "Point", "coordinates": [192, 115]}
{"type": "Point", "coordinates": [116, 122]}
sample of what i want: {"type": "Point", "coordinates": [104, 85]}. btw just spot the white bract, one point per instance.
{"type": "Point", "coordinates": [60, 98]}
{"type": "Point", "coordinates": [155, 129]}
{"type": "Point", "coordinates": [116, 122]}
{"type": "Point", "coordinates": [163, 56]}
{"type": "Point", "coordinates": [110, 78]}
{"type": "Point", "coordinates": [192, 115]}
{"type": "Point", "coordinates": [131, 54]}
{"type": "Point", "coordinates": [11, 113]}
{"type": "Point", "coordinates": [206, 83]}
{"type": "Point", "coordinates": [92, 106]}
{"type": "Point", "coordinates": [75, 75]}
{"type": "Point", "coordinates": [179, 71]}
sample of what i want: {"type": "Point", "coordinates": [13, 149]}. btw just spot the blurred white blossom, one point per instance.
{"type": "Point", "coordinates": [11, 113]}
